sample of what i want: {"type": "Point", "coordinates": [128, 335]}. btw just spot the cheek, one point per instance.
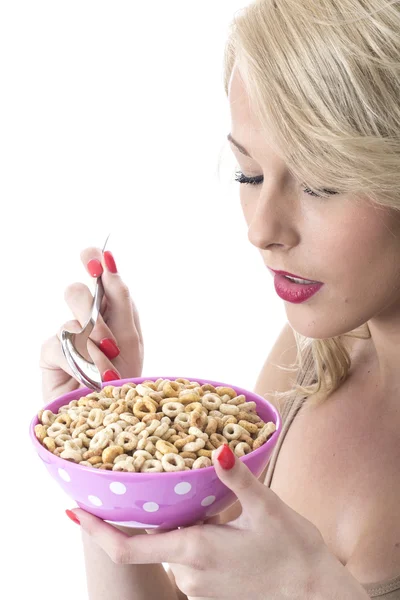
{"type": "Point", "coordinates": [357, 257]}
{"type": "Point", "coordinates": [248, 203]}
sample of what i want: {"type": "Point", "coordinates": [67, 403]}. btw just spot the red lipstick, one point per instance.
{"type": "Point", "coordinates": [295, 292]}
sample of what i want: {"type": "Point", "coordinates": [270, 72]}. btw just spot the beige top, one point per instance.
{"type": "Point", "coordinates": [389, 589]}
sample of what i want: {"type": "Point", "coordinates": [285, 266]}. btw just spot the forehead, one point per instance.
{"type": "Point", "coordinates": [241, 114]}
{"type": "Point", "coordinates": [246, 128]}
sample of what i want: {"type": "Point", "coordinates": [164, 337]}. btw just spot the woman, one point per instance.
{"type": "Point", "coordinates": [314, 96]}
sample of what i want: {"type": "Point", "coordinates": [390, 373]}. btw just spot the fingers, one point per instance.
{"type": "Point", "coordinates": [80, 300]}
{"type": "Point", "coordinates": [57, 378]}
{"type": "Point", "coordinates": [254, 497]}
{"type": "Point", "coordinates": [89, 351]}
{"type": "Point", "coordinates": [122, 315]}
{"type": "Point", "coordinates": [136, 550]}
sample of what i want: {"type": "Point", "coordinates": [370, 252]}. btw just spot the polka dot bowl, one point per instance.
{"type": "Point", "coordinates": [148, 500]}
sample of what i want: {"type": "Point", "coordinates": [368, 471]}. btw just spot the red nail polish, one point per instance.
{"type": "Point", "coordinates": [226, 458]}
{"type": "Point", "coordinates": [73, 517]}
{"type": "Point", "coordinates": [110, 262]}
{"type": "Point", "coordinates": [110, 375]}
{"type": "Point", "coordinates": [94, 267]}
{"type": "Point", "coordinates": [109, 347]}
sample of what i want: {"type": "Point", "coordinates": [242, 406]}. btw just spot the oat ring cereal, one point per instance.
{"type": "Point", "coordinates": [183, 420]}
{"type": "Point", "coordinates": [166, 447]}
{"type": "Point", "coordinates": [156, 426]}
{"type": "Point", "coordinates": [100, 440]}
{"type": "Point", "coordinates": [202, 462]}
{"type": "Point", "coordinates": [124, 465]}
{"type": "Point", "coordinates": [48, 417]}
{"type": "Point", "coordinates": [114, 428]}
{"type": "Point", "coordinates": [198, 419]}
{"type": "Point", "coordinates": [95, 418]}
{"type": "Point", "coordinates": [217, 440]}
{"type": "Point", "coordinates": [151, 465]}
{"type": "Point", "coordinates": [56, 429]}
{"type": "Point", "coordinates": [172, 409]}
{"type": "Point", "coordinates": [140, 406]}
{"type": "Point", "coordinates": [171, 389]}
{"type": "Point", "coordinates": [61, 439]}
{"type": "Point", "coordinates": [160, 430]}
{"type": "Point", "coordinates": [242, 448]}
{"type": "Point", "coordinates": [211, 401]}
{"type": "Point", "coordinates": [127, 440]}
{"type": "Point", "coordinates": [232, 431]}
{"type": "Point", "coordinates": [194, 446]}
{"type": "Point", "coordinates": [172, 462]}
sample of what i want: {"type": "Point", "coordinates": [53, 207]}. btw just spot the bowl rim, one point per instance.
{"type": "Point", "coordinates": [107, 474]}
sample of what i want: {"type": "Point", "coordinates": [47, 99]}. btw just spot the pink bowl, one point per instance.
{"type": "Point", "coordinates": [146, 500]}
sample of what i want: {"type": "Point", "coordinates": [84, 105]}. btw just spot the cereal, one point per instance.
{"type": "Point", "coordinates": [152, 466]}
{"type": "Point", "coordinates": [49, 443]}
{"type": "Point", "coordinates": [172, 462]}
{"type": "Point", "coordinates": [153, 427]}
{"type": "Point", "coordinates": [110, 454]}
{"type": "Point", "coordinates": [202, 462]}
{"type": "Point", "coordinates": [127, 440]}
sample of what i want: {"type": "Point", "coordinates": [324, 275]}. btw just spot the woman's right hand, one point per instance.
{"type": "Point", "coordinates": [116, 342]}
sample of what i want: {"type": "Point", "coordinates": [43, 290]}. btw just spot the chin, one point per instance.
{"type": "Point", "coordinates": [318, 328]}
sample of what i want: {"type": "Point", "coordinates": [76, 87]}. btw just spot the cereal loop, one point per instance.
{"type": "Point", "coordinates": [100, 440]}
{"type": "Point", "coordinates": [232, 431]}
{"type": "Point", "coordinates": [151, 466]}
{"type": "Point", "coordinates": [194, 446]}
{"type": "Point", "coordinates": [217, 440]}
{"type": "Point", "coordinates": [138, 408]}
{"type": "Point", "coordinates": [173, 462]}
{"type": "Point", "coordinates": [242, 449]}
{"type": "Point", "coordinates": [166, 448]}
{"type": "Point", "coordinates": [202, 462]}
{"type": "Point", "coordinates": [127, 440]}
{"type": "Point", "coordinates": [211, 401]}
{"type": "Point", "coordinates": [172, 409]}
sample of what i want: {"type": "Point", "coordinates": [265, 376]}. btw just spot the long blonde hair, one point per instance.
{"type": "Point", "coordinates": [324, 79]}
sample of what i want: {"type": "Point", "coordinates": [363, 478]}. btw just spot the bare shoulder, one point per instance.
{"type": "Point", "coordinates": [274, 378]}
{"type": "Point", "coordinates": [271, 378]}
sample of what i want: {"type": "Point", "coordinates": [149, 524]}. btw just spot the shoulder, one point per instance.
{"type": "Point", "coordinates": [276, 373]}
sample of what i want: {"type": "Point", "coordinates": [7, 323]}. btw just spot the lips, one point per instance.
{"type": "Point", "coordinates": [292, 275]}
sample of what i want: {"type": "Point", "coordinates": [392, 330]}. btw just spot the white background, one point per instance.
{"type": "Point", "coordinates": [114, 119]}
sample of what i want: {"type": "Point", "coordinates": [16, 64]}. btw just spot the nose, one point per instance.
{"type": "Point", "coordinates": [274, 221]}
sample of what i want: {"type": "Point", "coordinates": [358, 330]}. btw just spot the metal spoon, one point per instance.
{"type": "Point", "coordinates": [85, 371]}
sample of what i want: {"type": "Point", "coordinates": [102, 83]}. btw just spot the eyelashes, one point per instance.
{"type": "Point", "coordinates": [241, 178]}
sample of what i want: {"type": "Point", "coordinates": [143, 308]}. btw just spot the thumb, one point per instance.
{"type": "Point", "coordinates": [249, 490]}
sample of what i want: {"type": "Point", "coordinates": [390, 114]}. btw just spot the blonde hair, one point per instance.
{"type": "Point", "coordinates": [324, 79]}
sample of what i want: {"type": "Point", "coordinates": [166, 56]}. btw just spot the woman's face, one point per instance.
{"type": "Point", "coordinates": [352, 247]}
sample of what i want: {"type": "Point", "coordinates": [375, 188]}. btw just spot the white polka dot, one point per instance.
{"type": "Point", "coordinates": [182, 488]}
{"type": "Point", "coordinates": [64, 475]}
{"type": "Point", "coordinates": [207, 501]}
{"type": "Point", "coordinates": [117, 487]}
{"type": "Point", "coordinates": [95, 500]}
{"type": "Point", "coordinates": [150, 506]}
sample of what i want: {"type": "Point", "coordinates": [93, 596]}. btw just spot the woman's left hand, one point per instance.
{"type": "Point", "coordinates": [269, 551]}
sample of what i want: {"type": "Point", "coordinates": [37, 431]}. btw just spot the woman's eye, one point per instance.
{"type": "Point", "coordinates": [241, 178]}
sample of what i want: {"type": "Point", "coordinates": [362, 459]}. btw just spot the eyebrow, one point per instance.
{"type": "Point", "coordinates": [238, 146]}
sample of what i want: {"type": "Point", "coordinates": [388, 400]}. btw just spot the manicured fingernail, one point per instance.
{"type": "Point", "coordinates": [225, 457]}
{"type": "Point", "coordinates": [110, 262]}
{"type": "Point", "coordinates": [73, 517]}
{"type": "Point", "coordinates": [109, 347]}
{"type": "Point", "coordinates": [110, 375]}
{"type": "Point", "coordinates": [94, 267]}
